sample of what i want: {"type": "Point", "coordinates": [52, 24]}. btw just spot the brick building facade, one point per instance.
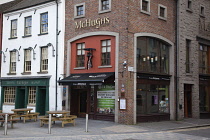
{"type": "Point", "coordinates": [129, 23]}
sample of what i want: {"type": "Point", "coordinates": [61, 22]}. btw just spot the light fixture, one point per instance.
{"type": "Point", "coordinates": [4, 56]}
{"type": "Point", "coordinates": [15, 50]}
{"type": "Point", "coordinates": [53, 50]}
{"type": "Point", "coordinates": [90, 56]}
{"type": "Point", "coordinates": [30, 48]}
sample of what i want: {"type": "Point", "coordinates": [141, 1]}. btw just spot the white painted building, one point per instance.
{"type": "Point", "coordinates": [33, 43]}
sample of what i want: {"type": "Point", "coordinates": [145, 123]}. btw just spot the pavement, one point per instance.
{"type": "Point", "coordinates": [104, 130]}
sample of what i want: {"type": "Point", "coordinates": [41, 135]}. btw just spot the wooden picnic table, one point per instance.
{"type": "Point", "coordinates": [25, 113]}
{"type": "Point", "coordinates": [64, 118]}
{"type": "Point", "coordinates": [9, 119]}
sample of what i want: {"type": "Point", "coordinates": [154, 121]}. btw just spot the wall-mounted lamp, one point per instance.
{"type": "Point", "coordinates": [53, 50]}
{"type": "Point", "coordinates": [90, 56]}
{"type": "Point", "coordinates": [30, 48]}
{"type": "Point", "coordinates": [15, 50]}
{"type": "Point", "coordinates": [4, 56]}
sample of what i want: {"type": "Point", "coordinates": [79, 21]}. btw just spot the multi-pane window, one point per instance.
{"type": "Point", "coordinates": [14, 28]}
{"type": "Point", "coordinates": [152, 55]}
{"type": "Point", "coordinates": [44, 23]}
{"type": "Point", "coordinates": [80, 10]}
{"type": "Point", "coordinates": [188, 56]}
{"type": "Point", "coordinates": [204, 65]}
{"type": "Point", "coordinates": [80, 55]}
{"type": "Point", "coordinates": [32, 95]}
{"type": "Point", "coordinates": [104, 4]}
{"type": "Point", "coordinates": [162, 12]}
{"type": "Point", "coordinates": [44, 59]}
{"type": "Point", "coordinates": [28, 25]}
{"type": "Point", "coordinates": [106, 52]}
{"type": "Point", "coordinates": [9, 95]}
{"type": "Point", "coordinates": [12, 62]}
{"type": "Point", "coordinates": [145, 5]}
{"type": "Point", "coordinates": [27, 65]}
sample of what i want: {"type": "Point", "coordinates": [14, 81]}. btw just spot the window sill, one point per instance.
{"type": "Point", "coordinates": [26, 36]}
{"type": "Point", "coordinates": [189, 10]}
{"type": "Point", "coordinates": [12, 38]}
{"type": "Point", "coordinates": [79, 68]}
{"type": "Point", "coordinates": [203, 16]}
{"type": "Point", "coordinates": [11, 73]}
{"type": "Point", "coordinates": [146, 12]}
{"type": "Point", "coordinates": [76, 17]}
{"type": "Point", "coordinates": [107, 66]}
{"type": "Point", "coordinates": [162, 18]}
{"type": "Point", "coordinates": [42, 34]}
{"type": "Point", "coordinates": [189, 74]}
{"type": "Point", "coordinates": [8, 103]}
{"type": "Point", "coordinates": [42, 72]}
{"type": "Point", "coordinates": [26, 73]}
{"type": "Point", "coordinates": [31, 105]}
{"type": "Point", "coordinates": [104, 11]}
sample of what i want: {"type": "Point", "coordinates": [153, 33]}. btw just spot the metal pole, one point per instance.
{"type": "Point", "coordinates": [49, 124]}
{"type": "Point", "coordinates": [5, 124]}
{"type": "Point", "coordinates": [86, 129]}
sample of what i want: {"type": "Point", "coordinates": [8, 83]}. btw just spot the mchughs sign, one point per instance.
{"type": "Point", "coordinates": [90, 23]}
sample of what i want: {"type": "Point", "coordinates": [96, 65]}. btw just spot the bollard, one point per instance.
{"type": "Point", "coordinates": [5, 124]}
{"type": "Point", "coordinates": [86, 130]}
{"type": "Point", "coordinates": [49, 124]}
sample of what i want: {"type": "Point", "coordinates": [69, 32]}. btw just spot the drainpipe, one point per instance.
{"type": "Point", "coordinates": [177, 60]}
{"type": "Point", "coordinates": [56, 57]}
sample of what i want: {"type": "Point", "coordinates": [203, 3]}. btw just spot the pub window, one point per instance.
{"type": "Point", "coordinates": [32, 95]}
{"type": "Point", "coordinates": [106, 52]}
{"type": "Point", "coordinates": [44, 59]}
{"type": "Point", "coordinates": [145, 6]}
{"type": "Point", "coordinates": [14, 28]}
{"type": "Point", "coordinates": [104, 6]}
{"type": "Point", "coordinates": [28, 25]}
{"type": "Point", "coordinates": [9, 95]}
{"type": "Point", "coordinates": [79, 10]}
{"type": "Point", "coordinates": [44, 23]}
{"type": "Point", "coordinates": [188, 42]}
{"type": "Point", "coordinates": [80, 55]}
{"type": "Point", "coordinates": [27, 64]}
{"type": "Point", "coordinates": [12, 62]}
{"type": "Point", "coordinates": [152, 56]}
{"type": "Point", "coordinates": [204, 65]}
{"type": "Point", "coordinates": [162, 12]}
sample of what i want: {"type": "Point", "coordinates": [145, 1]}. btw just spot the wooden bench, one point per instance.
{"type": "Point", "coordinates": [11, 121]}
{"type": "Point", "coordinates": [68, 119]}
{"type": "Point", "coordinates": [33, 115]}
{"type": "Point", "coordinates": [45, 120]}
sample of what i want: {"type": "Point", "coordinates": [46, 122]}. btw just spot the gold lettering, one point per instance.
{"type": "Point", "coordinates": [78, 25]}
{"type": "Point", "coordinates": [88, 21]}
{"type": "Point", "coordinates": [103, 20]}
{"type": "Point", "coordinates": [107, 20]}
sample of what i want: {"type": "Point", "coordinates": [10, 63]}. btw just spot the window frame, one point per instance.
{"type": "Point", "coordinates": [42, 24]}
{"type": "Point", "coordinates": [159, 12]}
{"type": "Point", "coordinates": [82, 51]}
{"type": "Point", "coordinates": [44, 64]}
{"type": "Point", "coordinates": [28, 26]}
{"type": "Point", "coordinates": [12, 34]}
{"type": "Point", "coordinates": [189, 5]}
{"type": "Point", "coordinates": [9, 92]}
{"type": "Point", "coordinates": [13, 62]}
{"type": "Point", "coordinates": [148, 7]}
{"type": "Point", "coordinates": [108, 63]}
{"type": "Point", "coordinates": [187, 62]}
{"type": "Point", "coordinates": [202, 11]}
{"type": "Point", "coordinates": [32, 95]}
{"type": "Point", "coordinates": [100, 10]}
{"type": "Point", "coordinates": [75, 10]}
{"type": "Point", "coordinates": [27, 60]}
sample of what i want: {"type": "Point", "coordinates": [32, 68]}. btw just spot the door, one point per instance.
{"type": "Point", "coordinates": [82, 103]}
{"type": "Point", "coordinates": [20, 101]}
{"type": "Point", "coordinates": [41, 101]}
{"type": "Point", "coordinates": [187, 101]}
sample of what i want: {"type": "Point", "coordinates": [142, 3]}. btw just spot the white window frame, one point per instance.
{"type": "Point", "coordinates": [28, 26]}
{"type": "Point", "coordinates": [13, 29]}
{"type": "Point", "coordinates": [100, 7]}
{"type": "Point", "coordinates": [13, 62]}
{"type": "Point", "coordinates": [41, 24]}
{"type": "Point", "coordinates": [44, 59]}
{"type": "Point", "coordinates": [75, 10]}
{"type": "Point", "coordinates": [32, 95]}
{"type": "Point", "coordinates": [143, 11]}
{"type": "Point", "coordinates": [27, 60]}
{"type": "Point", "coordinates": [165, 12]}
{"type": "Point", "coordinates": [202, 13]}
{"type": "Point", "coordinates": [9, 95]}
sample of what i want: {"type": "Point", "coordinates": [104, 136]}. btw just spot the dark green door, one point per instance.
{"type": "Point", "coordinates": [41, 102]}
{"type": "Point", "coordinates": [20, 98]}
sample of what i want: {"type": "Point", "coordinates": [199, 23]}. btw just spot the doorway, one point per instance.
{"type": "Point", "coordinates": [20, 101]}
{"type": "Point", "coordinates": [41, 101]}
{"type": "Point", "coordinates": [187, 101]}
